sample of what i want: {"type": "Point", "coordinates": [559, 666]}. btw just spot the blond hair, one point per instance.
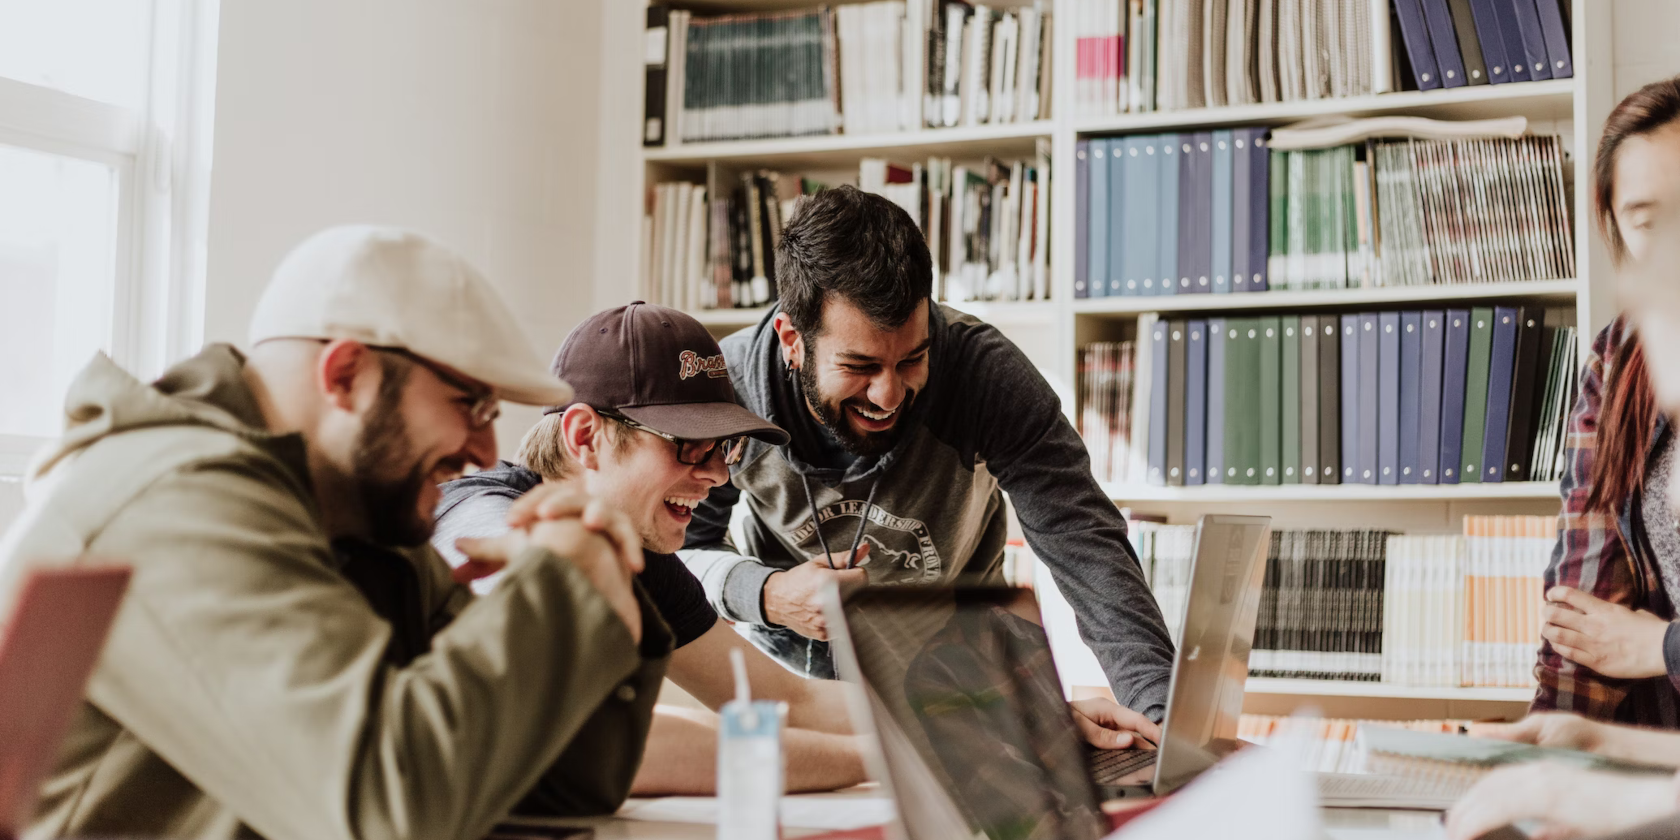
{"type": "Point", "coordinates": [543, 449]}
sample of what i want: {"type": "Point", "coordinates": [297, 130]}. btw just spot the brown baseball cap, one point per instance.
{"type": "Point", "coordinates": [660, 368]}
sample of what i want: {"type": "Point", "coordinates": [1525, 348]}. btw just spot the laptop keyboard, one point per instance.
{"type": "Point", "coordinates": [1109, 766]}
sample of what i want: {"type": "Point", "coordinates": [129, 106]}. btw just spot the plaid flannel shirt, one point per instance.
{"type": "Point", "coordinates": [1593, 554]}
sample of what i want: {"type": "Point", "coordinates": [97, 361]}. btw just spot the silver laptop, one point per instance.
{"type": "Point", "coordinates": [976, 739]}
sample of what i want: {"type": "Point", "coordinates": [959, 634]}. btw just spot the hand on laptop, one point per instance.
{"type": "Point", "coordinates": [1108, 725]}
{"type": "Point", "coordinates": [793, 598]}
{"type": "Point", "coordinates": [1569, 801]}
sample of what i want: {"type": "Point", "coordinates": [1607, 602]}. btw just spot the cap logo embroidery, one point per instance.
{"type": "Point", "coordinates": [694, 365]}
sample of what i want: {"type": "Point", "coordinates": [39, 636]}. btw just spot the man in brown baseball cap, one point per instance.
{"type": "Point", "coordinates": [652, 427]}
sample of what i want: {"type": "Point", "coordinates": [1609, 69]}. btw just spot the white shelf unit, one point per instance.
{"type": "Point", "coordinates": [1051, 332]}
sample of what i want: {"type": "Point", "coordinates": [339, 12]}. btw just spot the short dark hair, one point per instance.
{"type": "Point", "coordinates": [856, 245]}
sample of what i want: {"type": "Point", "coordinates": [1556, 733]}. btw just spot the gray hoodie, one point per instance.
{"type": "Point", "coordinates": [986, 423]}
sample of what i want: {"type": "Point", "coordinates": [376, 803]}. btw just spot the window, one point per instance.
{"type": "Point", "coordinates": [104, 117]}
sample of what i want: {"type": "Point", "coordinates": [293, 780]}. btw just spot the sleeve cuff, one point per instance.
{"type": "Point", "coordinates": [1671, 649]}
{"type": "Point", "coordinates": [743, 592]}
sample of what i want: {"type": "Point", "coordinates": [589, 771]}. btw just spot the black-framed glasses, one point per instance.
{"type": "Point", "coordinates": [485, 407]}
{"type": "Point", "coordinates": [693, 453]}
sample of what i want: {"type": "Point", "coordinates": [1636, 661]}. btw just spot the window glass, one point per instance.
{"type": "Point", "coordinates": [92, 48]}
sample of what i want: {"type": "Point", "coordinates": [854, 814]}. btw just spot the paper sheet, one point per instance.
{"type": "Point", "coordinates": [1226, 801]}
{"type": "Point", "coordinates": [830, 813]}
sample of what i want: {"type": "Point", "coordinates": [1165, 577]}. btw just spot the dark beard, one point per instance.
{"type": "Point", "coordinates": [833, 416]}
{"type": "Point", "coordinates": [392, 506]}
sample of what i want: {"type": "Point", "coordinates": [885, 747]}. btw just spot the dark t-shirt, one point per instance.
{"type": "Point", "coordinates": [477, 505]}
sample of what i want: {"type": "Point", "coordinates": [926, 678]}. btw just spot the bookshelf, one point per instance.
{"type": "Point", "coordinates": [1051, 332]}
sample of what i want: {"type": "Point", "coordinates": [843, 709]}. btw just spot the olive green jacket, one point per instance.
{"type": "Point", "coordinates": [247, 688]}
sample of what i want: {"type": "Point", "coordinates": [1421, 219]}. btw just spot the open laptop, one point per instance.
{"type": "Point", "coordinates": [976, 738]}
{"type": "Point", "coordinates": [48, 647]}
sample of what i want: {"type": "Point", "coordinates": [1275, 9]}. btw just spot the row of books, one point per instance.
{"type": "Point", "coordinates": [705, 251]}
{"type": "Point", "coordinates": [1453, 43]}
{"type": "Point", "coordinates": [1367, 606]}
{"type": "Point", "coordinates": [1144, 55]}
{"type": "Point", "coordinates": [1219, 212]}
{"type": "Point", "coordinates": [1331, 744]}
{"type": "Point", "coordinates": [864, 68]}
{"type": "Point", "coordinates": [1417, 397]}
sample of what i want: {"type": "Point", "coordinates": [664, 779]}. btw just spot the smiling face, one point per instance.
{"type": "Point", "coordinates": [638, 473]}
{"type": "Point", "coordinates": [859, 378]}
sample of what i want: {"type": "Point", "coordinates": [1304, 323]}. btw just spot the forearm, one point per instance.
{"type": "Point", "coordinates": [681, 757]}
{"type": "Point", "coordinates": [1640, 745]}
{"type": "Point", "coordinates": [821, 707]}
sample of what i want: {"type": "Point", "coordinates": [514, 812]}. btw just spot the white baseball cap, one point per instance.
{"type": "Point", "coordinates": [389, 287]}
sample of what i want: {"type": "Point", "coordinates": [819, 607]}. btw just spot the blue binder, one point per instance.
{"type": "Point", "coordinates": [1221, 221]}
{"type": "Point", "coordinates": [1557, 38]}
{"type": "Point", "coordinates": [1201, 250]}
{"type": "Point", "coordinates": [1350, 399]}
{"type": "Point", "coordinates": [1240, 186]}
{"type": "Point", "coordinates": [1145, 167]}
{"type": "Point", "coordinates": [1533, 44]}
{"type": "Point", "coordinates": [1195, 403]}
{"type": "Point", "coordinates": [1259, 212]}
{"type": "Point", "coordinates": [1119, 240]}
{"type": "Point", "coordinates": [1388, 398]}
{"type": "Point", "coordinates": [1158, 404]}
{"type": "Point", "coordinates": [1370, 401]}
{"type": "Point", "coordinates": [1166, 254]}
{"type": "Point", "coordinates": [1189, 219]}
{"type": "Point", "coordinates": [1505, 11]}
{"type": "Point", "coordinates": [1214, 425]}
{"type": "Point", "coordinates": [1501, 367]}
{"type": "Point", "coordinates": [1081, 218]}
{"type": "Point", "coordinates": [1444, 41]}
{"type": "Point", "coordinates": [1411, 359]}
{"type": "Point", "coordinates": [1493, 41]}
{"type": "Point", "coordinates": [1455, 358]}
{"type": "Point", "coordinates": [1429, 398]}
{"type": "Point", "coordinates": [1098, 257]}
{"type": "Point", "coordinates": [1414, 31]}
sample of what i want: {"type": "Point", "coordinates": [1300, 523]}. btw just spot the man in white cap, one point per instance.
{"type": "Point", "coordinates": [293, 659]}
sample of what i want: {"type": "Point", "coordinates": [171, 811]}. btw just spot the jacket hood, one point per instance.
{"type": "Point", "coordinates": [205, 390]}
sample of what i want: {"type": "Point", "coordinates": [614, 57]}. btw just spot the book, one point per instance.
{"type": "Point", "coordinates": [1555, 31]}
{"type": "Point", "coordinates": [1178, 340]}
{"type": "Point", "coordinates": [1221, 221]}
{"type": "Point", "coordinates": [1388, 398]}
{"type": "Point", "coordinates": [1455, 361]}
{"type": "Point", "coordinates": [1430, 393]}
{"type": "Point", "coordinates": [1308, 380]}
{"type": "Point", "coordinates": [1491, 39]}
{"type": "Point", "coordinates": [1097, 240]}
{"type": "Point", "coordinates": [1214, 427]}
{"type": "Point", "coordinates": [1195, 401]}
{"type": "Point", "coordinates": [1348, 395]}
{"type": "Point", "coordinates": [1082, 218]}
{"type": "Point", "coordinates": [1160, 397]}
{"type": "Point", "coordinates": [1501, 380]}
{"type": "Point", "coordinates": [1476, 392]}
{"type": "Point", "coordinates": [1443, 40]}
{"type": "Point", "coordinates": [1414, 30]}
{"type": "Point", "coordinates": [1370, 387]}
{"type": "Point", "coordinates": [1411, 384]}
{"type": "Point", "coordinates": [1270, 465]}
{"type": "Point", "coordinates": [1289, 457]}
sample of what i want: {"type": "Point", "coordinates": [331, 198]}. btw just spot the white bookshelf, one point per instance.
{"type": "Point", "coordinates": [1051, 332]}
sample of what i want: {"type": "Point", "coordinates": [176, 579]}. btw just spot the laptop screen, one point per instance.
{"type": "Point", "coordinates": [963, 687]}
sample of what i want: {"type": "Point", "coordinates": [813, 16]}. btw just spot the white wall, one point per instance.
{"type": "Point", "coordinates": [1645, 47]}
{"type": "Point", "coordinates": [475, 122]}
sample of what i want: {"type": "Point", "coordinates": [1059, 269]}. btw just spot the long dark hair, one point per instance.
{"type": "Point", "coordinates": [1629, 410]}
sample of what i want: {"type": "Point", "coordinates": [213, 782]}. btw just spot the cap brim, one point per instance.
{"type": "Point", "coordinates": [706, 421]}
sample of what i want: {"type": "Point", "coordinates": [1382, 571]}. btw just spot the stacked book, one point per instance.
{"type": "Point", "coordinates": [864, 68]}
{"type": "Point", "coordinates": [1165, 551]}
{"type": "Point", "coordinates": [1221, 212]}
{"type": "Point", "coordinates": [1321, 610]}
{"type": "Point", "coordinates": [1332, 744]}
{"type": "Point", "coordinates": [1418, 397]}
{"type": "Point", "coordinates": [1453, 43]}
{"type": "Point", "coordinates": [1107, 373]}
{"type": "Point", "coordinates": [1423, 628]}
{"type": "Point", "coordinates": [676, 247]}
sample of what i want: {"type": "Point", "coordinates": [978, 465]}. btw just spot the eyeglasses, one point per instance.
{"type": "Point", "coordinates": [485, 407]}
{"type": "Point", "coordinates": [693, 453]}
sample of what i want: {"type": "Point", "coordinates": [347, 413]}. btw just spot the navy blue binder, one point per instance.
{"type": "Point", "coordinates": [1166, 254]}
{"type": "Point", "coordinates": [1370, 403]}
{"type": "Point", "coordinates": [1388, 398]}
{"type": "Point", "coordinates": [1455, 358]}
{"type": "Point", "coordinates": [1221, 221]}
{"type": "Point", "coordinates": [1533, 39]}
{"type": "Point", "coordinates": [1259, 213]}
{"type": "Point", "coordinates": [1350, 399]}
{"type": "Point", "coordinates": [1493, 41]}
{"type": "Point", "coordinates": [1429, 398]}
{"type": "Point", "coordinates": [1081, 218]}
{"type": "Point", "coordinates": [1501, 367]}
{"type": "Point", "coordinates": [1201, 250]}
{"type": "Point", "coordinates": [1240, 208]}
{"type": "Point", "coordinates": [1444, 41]}
{"type": "Point", "coordinates": [1557, 38]}
{"type": "Point", "coordinates": [1414, 31]}
{"type": "Point", "coordinates": [1411, 360]}
{"type": "Point", "coordinates": [1098, 258]}
{"type": "Point", "coordinates": [1119, 243]}
{"type": "Point", "coordinates": [1195, 403]}
{"type": "Point", "coordinates": [1158, 404]}
{"type": "Point", "coordinates": [1214, 452]}
{"type": "Point", "coordinates": [1505, 11]}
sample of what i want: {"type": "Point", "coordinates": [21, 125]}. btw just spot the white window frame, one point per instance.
{"type": "Point", "coordinates": [161, 154]}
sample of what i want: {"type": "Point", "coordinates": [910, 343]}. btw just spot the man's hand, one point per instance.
{"type": "Point", "coordinates": [1608, 638]}
{"type": "Point", "coordinates": [1547, 729]}
{"type": "Point", "coordinates": [593, 554]}
{"type": "Point", "coordinates": [1568, 801]}
{"type": "Point", "coordinates": [793, 598]}
{"type": "Point", "coordinates": [565, 500]}
{"type": "Point", "coordinates": [1108, 725]}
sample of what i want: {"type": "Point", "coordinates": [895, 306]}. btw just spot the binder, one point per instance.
{"type": "Point", "coordinates": [1119, 242]}
{"type": "Point", "coordinates": [1501, 369]}
{"type": "Point", "coordinates": [1455, 357]}
{"type": "Point", "coordinates": [1201, 249]}
{"type": "Point", "coordinates": [1289, 457]}
{"type": "Point", "coordinates": [1158, 363]}
{"type": "Point", "coordinates": [1271, 402]}
{"type": "Point", "coordinates": [1533, 39]}
{"type": "Point", "coordinates": [1469, 44]}
{"type": "Point", "coordinates": [1329, 402]}
{"type": "Point", "coordinates": [1240, 185]}
{"type": "Point", "coordinates": [1082, 218]}
{"type": "Point", "coordinates": [1505, 11]}
{"type": "Point", "coordinates": [1444, 41]}
{"type": "Point", "coordinates": [1370, 418]}
{"type": "Point", "coordinates": [1195, 402]}
{"type": "Point", "coordinates": [1414, 31]}
{"type": "Point", "coordinates": [1259, 196]}
{"type": "Point", "coordinates": [1429, 398]}
{"type": "Point", "coordinates": [1146, 220]}
{"type": "Point", "coordinates": [1190, 224]}
{"type": "Point", "coordinates": [1411, 361]}
{"type": "Point", "coordinates": [1242, 401]}
{"type": "Point", "coordinates": [1525, 396]}
{"type": "Point", "coordinates": [1556, 33]}
{"type": "Point", "coordinates": [1166, 257]}
{"type": "Point", "coordinates": [1388, 398]}
{"type": "Point", "coordinates": [1098, 257]}
{"type": "Point", "coordinates": [1308, 446]}
{"type": "Point", "coordinates": [1176, 369]}
{"type": "Point", "coordinates": [1492, 41]}
{"type": "Point", "coordinates": [1476, 369]}
{"type": "Point", "coordinates": [1349, 397]}
{"type": "Point", "coordinates": [1214, 466]}
{"type": "Point", "coordinates": [1220, 223]}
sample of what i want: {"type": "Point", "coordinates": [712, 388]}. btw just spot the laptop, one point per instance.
{"type": "Point", "coordinates": [48, 648]}
{"type": "Point", "coordinates": [976, 738]}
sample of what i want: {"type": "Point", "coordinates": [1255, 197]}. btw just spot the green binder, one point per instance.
{"type": "Point", "coordinates": [1291, 427]}
{"type": "Point", "coordinates": [1242, 401]}
{"type": "Point", "coordinates": [1476, 393]}
{"type": "Point", "coordinates": [1271, 393]}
